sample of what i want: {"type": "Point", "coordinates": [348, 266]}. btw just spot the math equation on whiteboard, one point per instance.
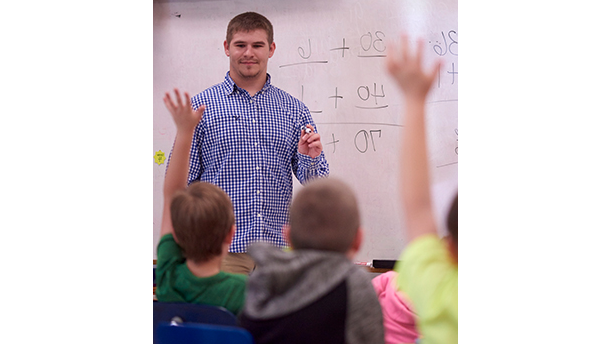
{"type": "Point", "coordinates": [372, 45]}
{"type": "Point", "coordinates": [364, 140]}
{"type": "Point", "coordinates": [369, 96]}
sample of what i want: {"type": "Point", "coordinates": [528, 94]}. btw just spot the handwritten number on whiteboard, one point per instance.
{"type": "Point", "coordinates": [366, 139]}
{"type": "Point", "coordinates": [457, 148]}
{"type": "Point", "coordinates": [371, 42]}
{"type": "Point", "coordinates": [365, 134]}
{"type": "Point", "coordinates": [453, 43]}
{"type": "Point", "coordinates": [365, 90]}
{"type": "Point", "coordinates": [302, 53]}
{"type": "Point", "coordinates": [448, 47]}
{"type": "Point", "coordinates": [379, 40]}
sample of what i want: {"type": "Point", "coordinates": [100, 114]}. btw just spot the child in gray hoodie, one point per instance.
{"type": "Point", "coordinates": [314, 293]}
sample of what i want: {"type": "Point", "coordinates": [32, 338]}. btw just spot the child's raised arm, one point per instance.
{"type": "Point", "coordinates": [405, 67]}
{"type": "Point", "coordinates": [186, 119]}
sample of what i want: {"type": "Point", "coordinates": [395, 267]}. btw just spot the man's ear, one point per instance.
{"type": "Point", "coordinates": [226, 47]}
{"type": "Point", "coordinates": [272, 49]}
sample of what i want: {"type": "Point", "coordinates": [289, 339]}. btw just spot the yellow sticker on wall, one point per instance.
{"type": "Point", "coordinates": [160, 157]}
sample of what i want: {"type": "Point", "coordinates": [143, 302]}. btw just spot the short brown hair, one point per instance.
{"type": "Point", "coordinates": [324, 216]}
{"type": "Point", "coordinates": [202, 216]}
{"type": "Point", "coordinates": [249, 21]}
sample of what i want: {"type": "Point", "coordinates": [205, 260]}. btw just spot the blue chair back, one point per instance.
{"type": "Point", "coordinates": [202, 333]}
{"type": "Point", "coordinates": [187, 313]}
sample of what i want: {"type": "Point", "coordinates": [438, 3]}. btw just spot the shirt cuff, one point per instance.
{"type": "Point", "coordinates": [305, 161]}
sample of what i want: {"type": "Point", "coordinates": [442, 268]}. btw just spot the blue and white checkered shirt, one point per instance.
{"type": "Point", "coordinates": [248, 146]}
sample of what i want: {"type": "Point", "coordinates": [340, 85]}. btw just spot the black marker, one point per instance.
{"type": "Point", "coordinates": [306, 129]}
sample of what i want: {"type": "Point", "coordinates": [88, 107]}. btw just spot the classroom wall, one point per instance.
{"type": "Point", "coordinates": [330, 55]}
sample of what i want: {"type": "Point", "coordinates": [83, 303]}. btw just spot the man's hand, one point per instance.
{"type": "Point", "coordinates": [407, 71]}
{"type": "Point", "coordinates": [185, 118]}
{"type": "Point", "coordinates": [310, 143]}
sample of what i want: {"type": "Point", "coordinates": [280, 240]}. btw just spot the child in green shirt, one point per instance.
{"type": "Point", "coordinates": [197, 227]}
{"type": "Point", "coordinates": [427, 270]}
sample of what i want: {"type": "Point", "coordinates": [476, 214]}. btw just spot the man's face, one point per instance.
{"type": "Point", "coordinates": [249, 53]}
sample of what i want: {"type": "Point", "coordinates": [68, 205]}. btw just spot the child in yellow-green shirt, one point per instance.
{"type": "Point", "coordinates": [427, 269]}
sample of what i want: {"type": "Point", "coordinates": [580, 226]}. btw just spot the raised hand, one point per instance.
{"type": "Point", "coordinates": [407, 69]}
{"type": "Point", "coordinates": [182, 113]}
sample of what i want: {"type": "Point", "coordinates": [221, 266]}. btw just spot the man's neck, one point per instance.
{"type": "Point", "coordinates": [205, 269]}
{"type": "Point", "coordinates": [251, 85]}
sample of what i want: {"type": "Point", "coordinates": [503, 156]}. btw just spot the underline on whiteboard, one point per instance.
{"type": "Point", "coordinates": [443, 101]}
{"type": "Point", "coordinates": [452, 163]}
{"type": "Point", "coordinates": [372, 108]}
{"type": "Point", "coordinates": [371, 55]}
{"type": "Point", "coordinates": [371, 123]}
{"type": "Point", "coordinates": [316, 111]}
{"type": "Point", "coordinates": [301, 63]}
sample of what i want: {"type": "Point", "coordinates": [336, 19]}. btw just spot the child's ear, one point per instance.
{"type": "Point", "coordinates": [230, 235]}
{"type": "Point", "coordinates": [286, 231]}
{"type": "Point", "coordinates": [356, 244]}
{"type": "Point", "coordinates": [358, 240]}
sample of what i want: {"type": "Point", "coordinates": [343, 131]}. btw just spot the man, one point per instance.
{"type": "Point", "coordinates": [251, 138]}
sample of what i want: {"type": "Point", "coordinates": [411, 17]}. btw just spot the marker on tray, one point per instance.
{"type": "Point", "coordinates": [306, 129]}
{"type": "Point", "coordinates": [367, 264]}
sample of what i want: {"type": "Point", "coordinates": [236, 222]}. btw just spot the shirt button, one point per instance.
{"type": "Point", "coordinates": [255, 144]}
{"type": "Point", "coordinates": [258, 192]}
{"type": "Point", "coordinates": [254, 121]}
{"type": "Point", "coordinates": [257, 168]}
{"type": "Point", "coordinates": [258, 215]}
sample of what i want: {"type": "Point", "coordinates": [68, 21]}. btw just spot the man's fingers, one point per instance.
{"type": "Point", "coordinates": [314, 137]}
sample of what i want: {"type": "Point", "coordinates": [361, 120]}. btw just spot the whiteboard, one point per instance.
{"type": "Point", "coordinates": [330, 55]}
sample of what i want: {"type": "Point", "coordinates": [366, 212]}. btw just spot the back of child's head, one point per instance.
{"type": "Point", "coordinates": [202, 217]}
{"type": "Point", "coordinates": [324, 216]}
{"type": "Point", "coordinates": [452, 221]}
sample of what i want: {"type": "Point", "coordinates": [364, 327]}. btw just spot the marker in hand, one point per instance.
{"type": "Point", "coordinates": [310, 142]}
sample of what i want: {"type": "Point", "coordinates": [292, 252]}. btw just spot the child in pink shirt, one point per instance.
{"type": "Point", "coordinates": [398, 318]}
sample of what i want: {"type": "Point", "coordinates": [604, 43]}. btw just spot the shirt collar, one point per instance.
{"type": "Point", "coordinates": [230, 86]}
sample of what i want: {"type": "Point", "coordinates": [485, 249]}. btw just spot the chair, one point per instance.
{"type": "Point", "coordinates": [202, 333]}
{"type": "Point", "coordinates": [186, 313]}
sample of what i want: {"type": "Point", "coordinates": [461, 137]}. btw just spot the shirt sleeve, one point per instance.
{"type": "Point", "coordinates": [304, 167]}
{"type": "Point", "coordinates": [169, 255]}
{"type": "Point", "coordinates": [196, 166]}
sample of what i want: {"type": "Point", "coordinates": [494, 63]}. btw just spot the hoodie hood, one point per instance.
{"type": "Point", "coordinates": [284, 282]}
